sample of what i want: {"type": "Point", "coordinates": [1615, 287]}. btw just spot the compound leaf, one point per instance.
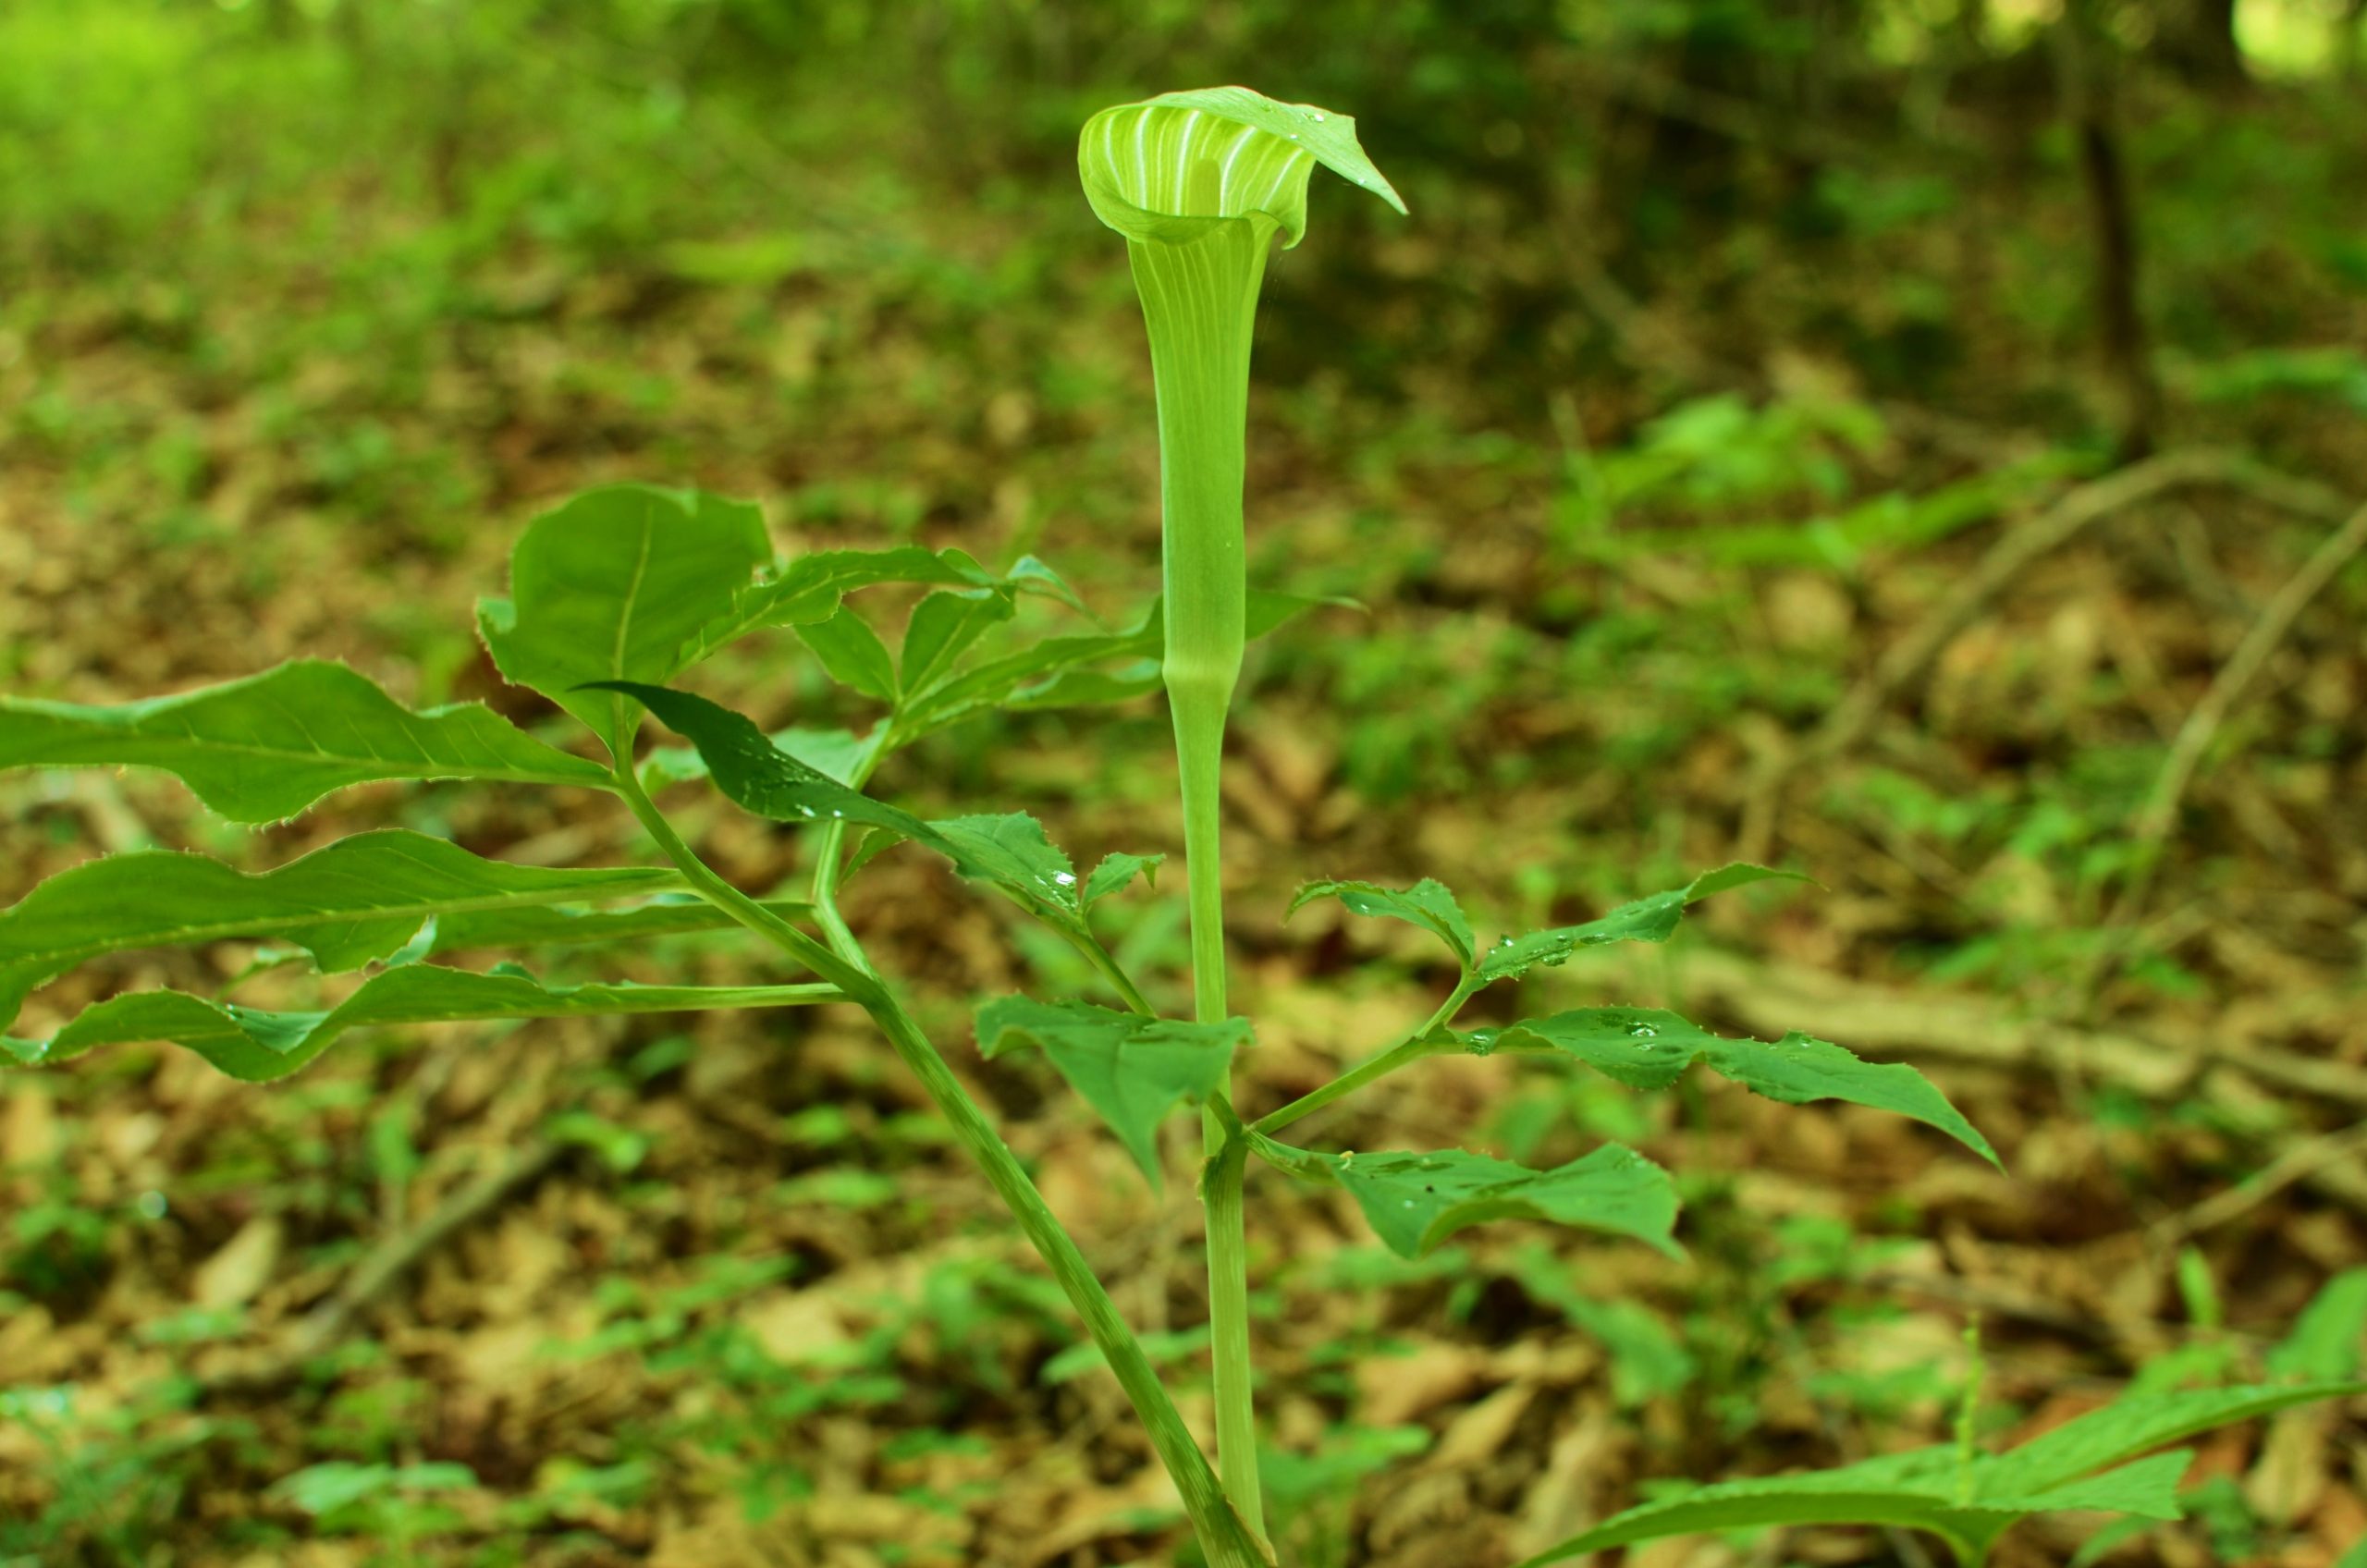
{"type": "Point", "coordinates": [355, 902]}
{"type": "Point", "coordinates": [1131, 1068]}
{"type": "Point", "coordinates": [1427, 903]}
{"type": "Point", "coordinates": [1079, 670]}
{"type": "Point", "coordinates": [1646, 1048]}
{"type": "Point", "coordinates": [1010, 850]}
{"type": "Point", "coordinates": [1652, 918]}
{"type": "Point", "coordinates": [257, 1045]}
{"type": "Point", "coordinates": [263, 748]}
{"type": "Point", "coordinates": [616, 584]}
{"type": "Point", "coordinates": [1415, 1201]}
{"type": "Point", "coordinates": [810, 588]}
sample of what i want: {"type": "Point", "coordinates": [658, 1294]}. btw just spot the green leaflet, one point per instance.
{"type": "Point", "coordinates": [1076, 671]}
{"type": "Point", "coordinates": [2085, 1465]}
{"type": "Point", "coordinates": [1426, 904]}
{"type": "Point", "coordinates": [1132, 1070]}
{"type": "Point", "coordinates": [852, 654]}
{"type": "Point", "coordinates": [1166, 168]}
{"type": "Point", "coordinates": [809, 588]}
{"type": "Point", "coordinates": [257, 1046]}
{"type": "Point", "coordinates": [1652, 918]}
{"type": "Point", "coordinates": [266, 747]}
{"type": "Point", "coordinates": [944, 626]}
{"type": "Point", "coordinates": [616, 584]}
{"type": "Point", "coordinates": [1646, 1048]}
{"type": "Point", "coordinates": [1010, 850]}
{"type": "Point", "coordinates": [543, 926]}
{"type": "Point", "coordinates": [1415, 1201]}
{"type": "Point", "coordinates": [758, 775]}
{"type": "Point", "coordinates": [1115, 872]}
{"type": "Point", "coordinates": [836, 753]}
{"type": "Point", "coordinates": [356, 901]}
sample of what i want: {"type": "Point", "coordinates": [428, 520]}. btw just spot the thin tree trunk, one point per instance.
{"type": "Point", "coordinates": [2086, 74]}
{"type": "Point", "coordinates": [2199, 41]}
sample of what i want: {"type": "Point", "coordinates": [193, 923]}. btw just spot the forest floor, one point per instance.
{"type": "Point", "coordinates": [720, 1293]}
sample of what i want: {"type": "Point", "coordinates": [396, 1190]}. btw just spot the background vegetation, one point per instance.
{"type": "Point", "coordinates": [1856, 433]}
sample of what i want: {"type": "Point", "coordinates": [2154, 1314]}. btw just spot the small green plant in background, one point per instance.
{"type": "Point", "coordinates": [619, 594]}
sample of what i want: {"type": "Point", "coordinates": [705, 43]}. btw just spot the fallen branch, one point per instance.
{"type": "Point", "coordinates": [2267, 635]}
{"type": "Point", "coordinates": [392, 1259]}
{"type": "Point", "coordinates": [1909, 660]}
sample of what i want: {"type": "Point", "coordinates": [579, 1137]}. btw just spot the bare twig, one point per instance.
{"type": "Point", "coordinates": [389, 1261]}
{"type": "Point", "coordinates": [2297, 1164]}
{"type": "Point", "coordinates": [1910, 659]}
{"type": "Point", "coordinates": [2202, 725]}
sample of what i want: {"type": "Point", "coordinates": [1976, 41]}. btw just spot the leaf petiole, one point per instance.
{"type": "Point", "coordinates": [1420, 1044]}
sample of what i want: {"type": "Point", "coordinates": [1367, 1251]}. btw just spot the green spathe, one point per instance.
{"type": "Point", "coordinates": [1199, 183]}
{"type": "Point", "coordinates": [1163, 168]}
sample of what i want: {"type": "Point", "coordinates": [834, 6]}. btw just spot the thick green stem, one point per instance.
{"type": "Point", "coordinates": [1200, 302]}
{"type": "Point", "coordinates": [1224, 1537]}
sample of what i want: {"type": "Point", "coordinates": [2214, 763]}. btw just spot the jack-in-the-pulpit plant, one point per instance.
{"type": "Point", "coordinates": [617, 597]}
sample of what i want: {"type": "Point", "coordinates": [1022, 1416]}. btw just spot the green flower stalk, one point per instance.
{"type": "Point", "coordinates": [1200, 183]}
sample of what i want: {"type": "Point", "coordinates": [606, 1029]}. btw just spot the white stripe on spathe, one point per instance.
{"type": "Point", "coordinates": [1138, 161]}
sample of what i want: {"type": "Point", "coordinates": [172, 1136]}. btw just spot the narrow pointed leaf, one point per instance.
{"type": "Point", "coordinates": [1652, 918]}
{"type": "Point", "coordinates": [1646, 1048]}
{"type": "Point", "coordinates": [1166, 168]}
{"type": "Point", "coordinates": [1132, 1070]}
{"type": "Point", "coordinates": [852, 654]}
{"type": "Point", "coordinates": [1427, 903]}
{"type": "Point", "coordinates": [259, 1046]}
{"type": "Point", "coordinates": [1415, 1201]}
{"type": "Point", "coordinates": [615, 585]}
{"type": "Point", "coordinates": [350, 903]}
{"type": "Point", "coordinates": [1791, 1500]}
{"type": "Point", "coordinates": [263, 748]}
{"type": "Point", "coordinates": [1115, 873]}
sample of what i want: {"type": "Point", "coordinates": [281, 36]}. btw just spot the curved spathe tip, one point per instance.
{"type": "Point", "coordinates": [1168, 166]}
